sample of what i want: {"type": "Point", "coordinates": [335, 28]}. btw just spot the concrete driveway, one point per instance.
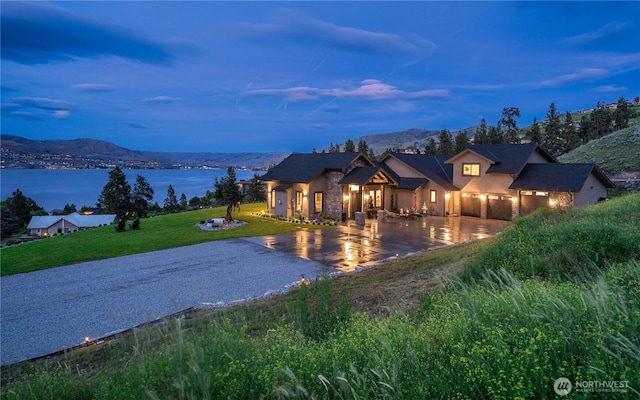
{"type": "Point", "coordinates": [349, 246]}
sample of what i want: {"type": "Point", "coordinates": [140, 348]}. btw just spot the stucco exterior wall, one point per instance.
{"type": "Point", "coordinates": [592, 191]}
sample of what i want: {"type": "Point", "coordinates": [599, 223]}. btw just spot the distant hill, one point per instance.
{"type": "Point", "coordinates": [19, 152]}
{"type": "Point", "coordinates": [415, 137]}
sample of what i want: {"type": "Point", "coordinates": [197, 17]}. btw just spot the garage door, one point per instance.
{"type": "Point", "coordinates": [470, 205]}
{"type": "Point", "coordinates": [499, 207]}
{"type": "Point", "coordinates": [531, 201]}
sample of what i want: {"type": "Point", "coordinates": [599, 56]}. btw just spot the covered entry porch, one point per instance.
{"type": "Point", "coordinates": [363, 190]}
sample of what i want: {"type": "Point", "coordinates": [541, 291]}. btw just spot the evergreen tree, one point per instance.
{"type": "Point", "coordinates": [68, 209]}
{"type": "Point", "coordinates": [482, 133]}
{"type": "Point", "coordinates": [183, 201]}
{"type": "Point", "coordinates": [509, 125]}
{"type": "Point", "coordinates": [584, 131]}
{"type": "Point", "coordinates": [171, 201]}
{"type": "Point", "coordinates": [570, 137]}
{"type": "Point", "coordinates": [227, 192]}
{"type": "Point", "coordinates": [10, 223]}
{"type": "Point", "coordinates": [372, 154]}
{"type": "Point", "coordinates": [142, 195]}
{"type": "Point", "coordinates": [622, 114]}
{"type": "Point", "coordinates": [446, 145]}
{"type": "Point", "coordinates": [349, 146]}
{"type": "Point", "coordinates": [115, 197]}
{"type": "Point", "coordinates": [461, 141]}
{"type": "Point", "coordinates": [255, 191]}
{"type": "Point", "coordinates": [551, 138]}
{"type": "Point", "coordinates": [495, 135]}
{"type": "Point", "coordinates": [600, 120]}
{"type": "Point", "coordinates": [432, 147]}
{"type": "Point", "coordinates": [535, 133]}
{"type": "Point", "coordinates": [22, 207]}
{"type": "Point", "coordinates": [363, 147]}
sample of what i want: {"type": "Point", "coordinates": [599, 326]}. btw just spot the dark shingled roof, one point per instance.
{"type": "Point", "coordinates": [557, 177]}
{"type": "Point", "coordinates": [360, 175]}
{"type": "Point", "coordinates": [303, 168]}
{"type": "Point", "coordinates": [508, 158]}
{"type": "Point", "coordinates": [432, 167]}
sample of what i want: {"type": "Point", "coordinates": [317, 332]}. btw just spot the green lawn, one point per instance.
{"type": "Point", "coordinates": [156, 233]}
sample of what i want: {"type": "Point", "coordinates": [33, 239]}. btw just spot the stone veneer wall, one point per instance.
{"type": "Point", "coordinates": [333, 195]}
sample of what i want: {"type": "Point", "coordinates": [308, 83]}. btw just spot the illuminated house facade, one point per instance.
{"type": "Point", "coordinates": [485, 181]}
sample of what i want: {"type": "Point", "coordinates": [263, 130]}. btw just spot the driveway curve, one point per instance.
{"type": "Point", "coordinates": [46, 311]}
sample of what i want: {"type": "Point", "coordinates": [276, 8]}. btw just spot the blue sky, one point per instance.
{"type": "Point", "coordinates": [219, 76]}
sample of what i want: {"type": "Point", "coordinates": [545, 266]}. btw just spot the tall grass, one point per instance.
{"type": "Point", "coordinates": [559, 243]}
{"type": "Point", "coordinates": [495, 333]}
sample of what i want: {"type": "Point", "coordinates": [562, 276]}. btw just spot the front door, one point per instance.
{"type": "Point", "coordinates": [356, 203]}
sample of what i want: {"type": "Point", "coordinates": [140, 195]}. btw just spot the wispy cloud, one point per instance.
{"type": "Point", "coordinates": [610, 89]}
{"type": "Point", "coordinates": [93, 87]}
{"type": "Point", "coordinates": [584, 75]}
{"type": "Point", "coordinates": [161, 99]}
{"type": "Point", "coordinates": [602, 33]}
{"type": "Point", "coordinates": [43, 103]}
{"type": "Point", "coordinates": [37, 33]}
{"type": "Point", "coordinates": [368, 89]}
{"type": "Point", "coordinates": [297, 27]}
{"type": "Point", "coordinates": [135, 125]}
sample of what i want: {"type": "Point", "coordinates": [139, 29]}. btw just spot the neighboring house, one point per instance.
{"type": "Point", "coordinates": [43, 226]}
{"type": "Point", "coordinates": [499, 181]}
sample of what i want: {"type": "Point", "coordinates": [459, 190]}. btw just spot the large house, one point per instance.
{"type": "Point", "coordinates": [49, 225]}
{"type": "Point", "coordinates": [499, 181]}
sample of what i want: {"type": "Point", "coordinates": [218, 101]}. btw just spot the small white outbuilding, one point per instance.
{"type": "Point", "coordinates": [49, 225]}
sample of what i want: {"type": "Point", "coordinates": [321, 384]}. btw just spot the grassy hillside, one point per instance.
{"type": "Point", "coordinates": [613, 153]}
{"type": "Point", "coordinates": [460, 322]}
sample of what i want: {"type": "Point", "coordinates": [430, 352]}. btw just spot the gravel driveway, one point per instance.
{"type": "Point", "coordinates": [42, 312]}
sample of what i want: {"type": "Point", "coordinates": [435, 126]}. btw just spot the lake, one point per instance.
{"type": "Point", "coordinates": [53, 188]}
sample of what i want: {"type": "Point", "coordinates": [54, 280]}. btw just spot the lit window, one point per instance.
{"type": "Point", "coordinates": [471, 169]}
{"type": "Point", "coordinates": [317, 202]}
{"type": "Point", "coordinates": [433, 196]}
{"type": "Point", "coordinates": [376, 197]}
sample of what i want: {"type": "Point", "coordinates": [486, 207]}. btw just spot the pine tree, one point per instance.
{"type": "Point", "coordinates": [495, 135]}
{"type": "Point", "coordinates": [349, 146]}
{"type": "Point", "coordinates": [600, 120]}
{"type": "Point", "coordinates": [255, 191]}
{"type": "Point", "coordinates": [183, 201]}
{"type": "Point", "coordinates": [446, 145]}
{"type": "Point", "coordinates": [432, 147]}
{"type": "Point", "coordinates": [228, 193]}
{"type": "Point", "coordinates": [551, 138]}
{"type": "Point", "coordinates": [482, 133]}
{"type": "Point", "coordinates": [171, 201]}
{"type": "Point", "coordinates": [535, 133]}
{"type": "Point", "coordinates": [622, 114]}
{"type": "Point", "coordinates": [461, 141]}
{"type": "Point", "coordinates": [115, 197]}
{"type": "Point", "coordinates": [22, 207]}
{"type": "Point", "coordinates": [363, 147]}
{"type": "Point", "coordinates": [570, 137]}
{"type": "Point", "coordinates": [509, 125]}
{"type": "Point", "coordinates": [142, 195]}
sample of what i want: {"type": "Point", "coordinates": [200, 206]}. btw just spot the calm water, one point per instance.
{"type": "Point", "coordinates": [52, 188]}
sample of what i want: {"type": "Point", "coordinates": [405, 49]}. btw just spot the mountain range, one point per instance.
{"type": "Point", "coordinates": [20, 152]}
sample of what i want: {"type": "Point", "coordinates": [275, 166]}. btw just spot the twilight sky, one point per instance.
{"type": "Point", "coordinates": [218, 76]}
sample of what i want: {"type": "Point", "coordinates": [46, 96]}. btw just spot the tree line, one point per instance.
{"type": "Point", "coordinates": [557, 133]}
{"type": "Point", "coordinates": [126, 202]}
